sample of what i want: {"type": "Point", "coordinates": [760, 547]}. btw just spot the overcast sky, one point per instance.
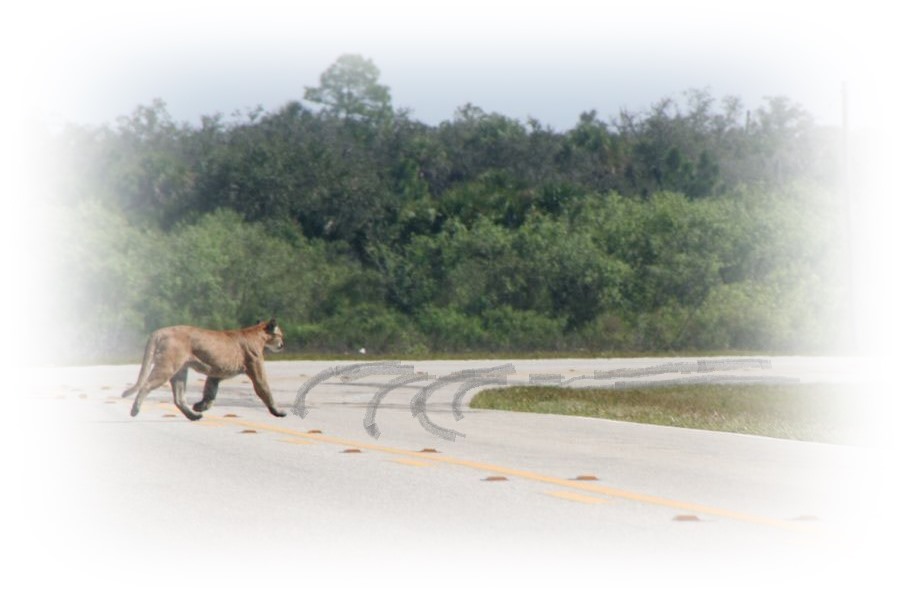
{"type": "Point", "coordinates": [91, 62]}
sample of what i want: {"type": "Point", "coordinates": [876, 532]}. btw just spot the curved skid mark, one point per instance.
{"type": "Point", "coordinates": [419, 401]}
{"type": "Point", "coordinates": [358, 371]}
{"type": "Point", "coordinates": [419, 410]}
{"type": "Point", "coordinates": [699, 366]}
{"type": "Point", "coordinates": [709, 380]}
{"type": "Point", "coordinates": [463, 390]}
{"type": "Point", "coordinates": [369, 419]}
{"type": "Point", "coordinates": [432, 427]}
{"type": "Point", "coordinates": [351, 371]}
{"type": "Point", "coordinates": [497, 375]}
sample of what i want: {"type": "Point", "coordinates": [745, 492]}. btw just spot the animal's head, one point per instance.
{"type": "Point", "coordinates": [275, 338]}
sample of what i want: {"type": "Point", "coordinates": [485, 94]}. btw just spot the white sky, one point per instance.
{"type": "Point", "coordinates": [92, 61]}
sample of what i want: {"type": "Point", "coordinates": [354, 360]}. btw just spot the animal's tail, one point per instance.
{"type": "Point", "coordinates": [146, 365]}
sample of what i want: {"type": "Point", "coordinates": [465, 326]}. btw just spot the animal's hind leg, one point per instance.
{"type": "Point", "coordinates": [208, 394]}
{"type": "Point", "coordinates": [158, 377]}
{"type": "Point", "coordinates": [178, 386]}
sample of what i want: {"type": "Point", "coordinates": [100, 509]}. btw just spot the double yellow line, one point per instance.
{"type": "Point", "coordinates": [579, 485]}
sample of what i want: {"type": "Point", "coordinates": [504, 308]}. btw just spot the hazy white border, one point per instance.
{"type": "Point", "coordinates": [53, 49]}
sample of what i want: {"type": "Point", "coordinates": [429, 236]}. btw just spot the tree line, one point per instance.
{"type": "Point", "coordinates": [693, 225]}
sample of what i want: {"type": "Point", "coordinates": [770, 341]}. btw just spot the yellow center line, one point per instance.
{"type": "Point", "coordinates": [590, 487]}
{"type": "Point", "coordinates": [407, 462]}
{"type": "Point", "coordinates": [296, 441]}
{"type": "Point", "coordinates": [577, 497]}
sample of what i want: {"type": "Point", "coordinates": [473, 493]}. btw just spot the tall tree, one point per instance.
{"type": "Point", "coordinates": [350, 89]}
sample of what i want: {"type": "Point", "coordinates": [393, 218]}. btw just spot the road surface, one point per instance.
{"type": "Point", "coordinates": [241, 501]}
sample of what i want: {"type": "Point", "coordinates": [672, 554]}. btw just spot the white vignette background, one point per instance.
{"type": "Point", "coordinates": [861, 42]}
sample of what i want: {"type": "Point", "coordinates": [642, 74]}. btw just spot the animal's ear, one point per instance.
{"type": "Point", "coordinates": [270, 326]}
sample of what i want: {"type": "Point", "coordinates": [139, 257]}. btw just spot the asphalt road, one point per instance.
{"type": "Point", "coordinates": [241, 501]}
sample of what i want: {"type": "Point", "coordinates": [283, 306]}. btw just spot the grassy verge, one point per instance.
{"type": "Point", "coordinates": [812, 412]}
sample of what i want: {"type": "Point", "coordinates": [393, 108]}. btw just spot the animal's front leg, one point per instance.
{"type": "Point", "coordinates": [257, 375]}
{"type": "Point", "coordinates": [208, 394]}
{"type": "Point", "coordinates": [178, 386]}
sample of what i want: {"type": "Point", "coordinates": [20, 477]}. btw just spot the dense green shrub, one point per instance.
{"type": "Point", "coordinates": [358, 227]}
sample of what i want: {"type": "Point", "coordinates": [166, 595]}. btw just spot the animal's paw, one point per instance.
{"type": "Point", "coordinates": [200, 406]}
{"type": "Point", "coordinates": [279, 413]}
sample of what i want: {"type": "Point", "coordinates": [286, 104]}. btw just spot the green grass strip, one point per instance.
{"type": "Point", "coordinates": [811, 412]}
